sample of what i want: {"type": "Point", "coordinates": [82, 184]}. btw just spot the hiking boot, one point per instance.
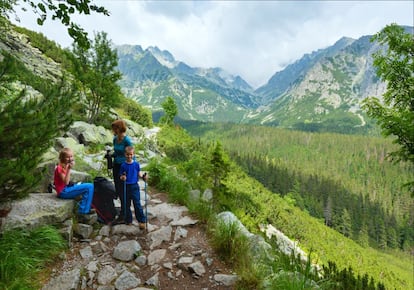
{"type": "Point", "coordinates": [141, 226]}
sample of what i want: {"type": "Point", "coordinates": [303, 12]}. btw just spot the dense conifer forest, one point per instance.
{"type": "Point", "coordinates": [344, 180]}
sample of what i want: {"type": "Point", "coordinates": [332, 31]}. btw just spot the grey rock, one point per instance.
{"type": "Point", "coordinates": [156, 256]}
{"type": "Point", "coordinates": [168, 265]}
{"type": "Point", "coordinates": [157, 237]}
{"type": "Point", "coordinates": [153, 281]}
{"type": "Point", "coordinates": [135, 131]}
{"type": "Point", "coordinates": [106, 275]}
{"type": "Point", "coordinates": [86, 253]}
{"type": "Point", "coordinates": [88, 134]}
{"type": "Point", "coordinates": [227, 280]}
{"type": "Point", "coordinates": [36, 210]}
{"type": "Point", "coordinates": [69, 142]}
{"type": "Point", "coordinates": [67, 231]}
{"type": "Point", "coordinates": [141, 260]}
{"type": "Point", "coordinates": [258, 246]}
{"type": "Point", "coordinates": [105, 231]}
{"type": "Point", "coordinates": [184, 221]}
{"type": "Point", "coordinates": [207, 195]}
{"type": "Point", "coordinates": [84, 230]}
{"type": "Point", "coordinates": [126, 281]}
{"type": "Point", "coordinates": [92, 266]}
{"type": "Point", "coordinates": [166, 212]}
{"type": "Point", "coordinates": [185, 260]}
{"type": "Point", "coordinates": [194, 195]}
{"type": "Point", "coordinates": [197, 268]}
{"type": "Point", "coordinates": [126, 250]}
{"type": "Point", "coordinates": [128, 230]}
{"type": "Point", "coordinates": [180, 232]}
{"type": "Point", "coordinates": [68, 280]}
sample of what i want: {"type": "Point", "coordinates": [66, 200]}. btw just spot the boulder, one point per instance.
{"type": "Point", "coordinates": [38, 209]}
{"type": "Point", "coordinates": [258, 246]}
{"type": "Point", "coordinates": [135, 130]}
{"type": "Point", "coordinates": [88, 134]}
{"type": "Point", "coordinates": [69, 142]}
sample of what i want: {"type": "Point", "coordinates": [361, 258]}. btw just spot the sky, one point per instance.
{"type": "Point", "coordinates": [252, 39]}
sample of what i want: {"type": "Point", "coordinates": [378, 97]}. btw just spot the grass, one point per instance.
{"type": "Point", "coordinates": [23, 254]}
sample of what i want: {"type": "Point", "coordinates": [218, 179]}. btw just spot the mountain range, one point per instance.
{"type": "Point", "coordinates": [321, 91]}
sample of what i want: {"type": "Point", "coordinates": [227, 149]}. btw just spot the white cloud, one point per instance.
{"type": "Point", "coordinates": [253, 39]}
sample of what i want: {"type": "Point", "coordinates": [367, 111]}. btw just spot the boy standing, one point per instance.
{"type": "Point", "coordinates": [129, 173]}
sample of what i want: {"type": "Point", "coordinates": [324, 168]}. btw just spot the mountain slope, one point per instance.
{"type": "Point", "coordinates": [151, 75]}
{"type": "Point", "coordinates": [293, 73]}
{"type": "Point", "coordinates": [328, 93]}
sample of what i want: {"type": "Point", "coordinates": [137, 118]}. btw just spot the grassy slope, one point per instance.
{"type": "Point", "coordinates": [254, 204]}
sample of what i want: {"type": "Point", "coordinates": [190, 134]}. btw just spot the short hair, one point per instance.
{"type": "Point", "coordinates": [120, 125]}
{"type": "Point", "coordinates": [129, 149]}
{"type": "Point", "coordinates": [64, 153]}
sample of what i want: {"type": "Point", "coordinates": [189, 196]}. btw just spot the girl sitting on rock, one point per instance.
{"type": "Point", "coordinates": [65, 189]}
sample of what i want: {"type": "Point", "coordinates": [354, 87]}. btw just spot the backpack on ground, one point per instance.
{"type": "Point", "coordinates": [103, 199]}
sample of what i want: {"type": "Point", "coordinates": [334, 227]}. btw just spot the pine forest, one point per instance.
{"type": "Point", "coordinates": [346, 181]}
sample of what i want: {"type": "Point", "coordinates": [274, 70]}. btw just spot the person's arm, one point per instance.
{"type": "Point", "coordinates": [122, 172]}
{"type": "Point", "coordinates": [65, 177]}
{"type": "Point", "coordinates": [128, 141]}
{"type": "Point", "coordinates": [141, 174]}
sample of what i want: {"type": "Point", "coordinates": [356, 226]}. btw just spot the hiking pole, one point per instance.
{"type": "Point", "coordinates": [108, 157]}
{"type": "Point", "coordinates": [125, 215]}
{"type": "Point", "coordinates": [146, 201]}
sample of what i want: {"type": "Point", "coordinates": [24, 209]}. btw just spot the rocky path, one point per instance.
{"type": "Point", "coordinates": [173, 254]}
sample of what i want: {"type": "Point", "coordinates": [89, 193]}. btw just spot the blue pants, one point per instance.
{"type": "Point", "coordinates": [133, 194]}
{"type": "Point", "coordinates": [85, 190]}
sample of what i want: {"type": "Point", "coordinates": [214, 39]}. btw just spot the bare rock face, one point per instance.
{"type": "Point", "coordinates": [33, 59]}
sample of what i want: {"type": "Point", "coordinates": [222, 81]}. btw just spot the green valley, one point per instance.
{"type": "Point", "coordinates": [344, 181]}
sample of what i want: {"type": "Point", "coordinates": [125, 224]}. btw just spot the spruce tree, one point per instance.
{"type": "Point", "coordinates": [28, 124]}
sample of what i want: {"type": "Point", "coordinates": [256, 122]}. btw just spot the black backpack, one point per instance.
{"type": "Point", "coordinates": [103, 199]}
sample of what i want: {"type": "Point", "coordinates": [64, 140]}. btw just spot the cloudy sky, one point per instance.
{"type": "Point", "coordinates": [251, 39]}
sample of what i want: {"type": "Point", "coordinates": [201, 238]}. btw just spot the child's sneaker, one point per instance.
{"type": "Point", "coordinates": [142, 226]}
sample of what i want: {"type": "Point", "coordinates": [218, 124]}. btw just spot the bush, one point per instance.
{"type": "Point", "coordinates": [136, 112]}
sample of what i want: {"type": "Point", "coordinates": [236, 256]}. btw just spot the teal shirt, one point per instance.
{"type": "Point", "coordinates": [119, 149]}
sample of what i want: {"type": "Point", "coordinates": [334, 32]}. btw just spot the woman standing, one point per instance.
{"type": "Point", "coordinates": [120, 142]}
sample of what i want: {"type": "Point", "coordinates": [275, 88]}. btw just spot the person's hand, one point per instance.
{"type": "Point", "coordinates": [71, 163]}
{"type": "Point", "coordinates": [145, 176]}
{"type": "Point", "coordinates": [123, 177]}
